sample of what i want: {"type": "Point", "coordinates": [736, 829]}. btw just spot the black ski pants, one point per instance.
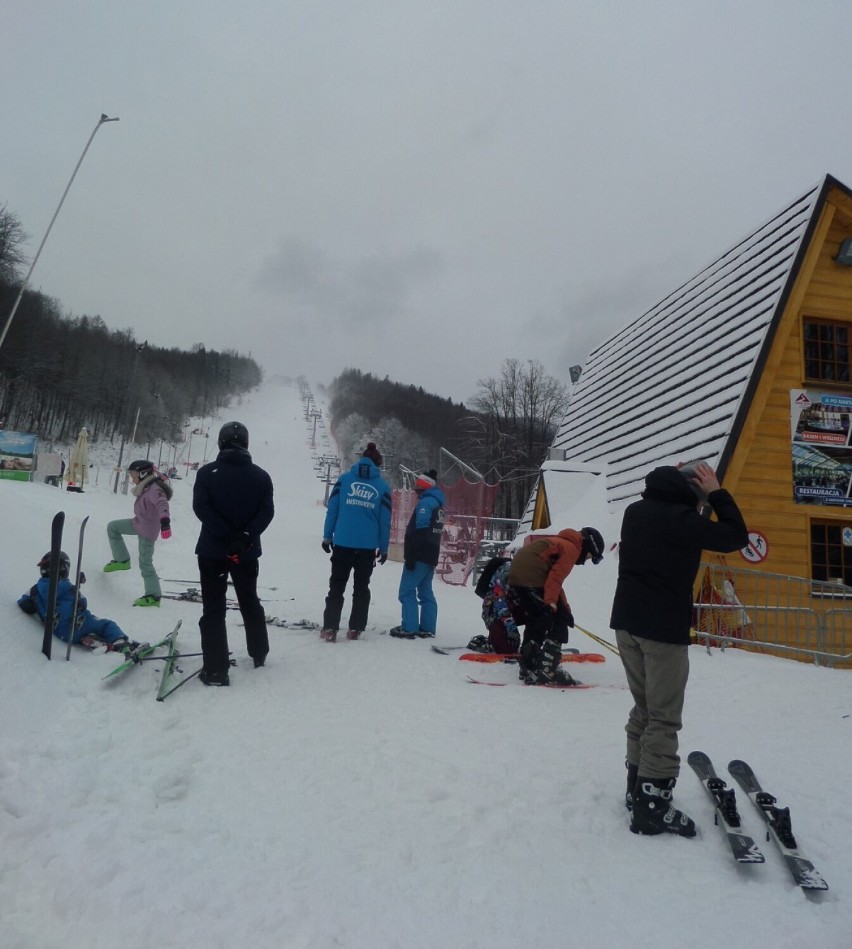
{"type": "Point", "coordinates": [542, 622]}
{"type": "Point", "coordinates": [360, 563]}
{"type": "Point", "coordinates": [214, 588]}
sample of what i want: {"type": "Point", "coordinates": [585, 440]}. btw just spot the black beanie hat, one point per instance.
{"type": "Point", "coordinates": [373, 454]}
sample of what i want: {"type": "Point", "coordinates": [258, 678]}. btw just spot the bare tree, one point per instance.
{"type": "Point", "coordinates": [12, 237]}
{"type": "Point", "coordinates": [517, 416]}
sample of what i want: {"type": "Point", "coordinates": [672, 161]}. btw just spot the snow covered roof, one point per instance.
{"type": "Point", "coordinates": [674, 384]}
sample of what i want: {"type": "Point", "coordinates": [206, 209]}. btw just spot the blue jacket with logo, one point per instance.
{"type": "Point", "coordinates": [359, 509]}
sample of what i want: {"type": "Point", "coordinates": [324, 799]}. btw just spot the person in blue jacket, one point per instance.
{"type": "Point", "coordinates": [88, 628]}
{"type": "Point", "coordinates": [232, 497]}
{"type": "Point", "coordinates": [356, 534]}
{"type": "Point", "coordinates": [422, 549]}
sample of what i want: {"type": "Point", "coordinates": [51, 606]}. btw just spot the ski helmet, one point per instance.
{"type": "Point", "coordinates": [233, 435]}
{"type": "Point", "coordinates": [64, 565]}
{"type": "Point", "coordinates": [593, 544]}
{"type": "Point", "coordinates": [143, 466]}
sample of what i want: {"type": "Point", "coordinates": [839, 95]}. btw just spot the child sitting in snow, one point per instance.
{"type": "Point", "coordinates": [89, 630]}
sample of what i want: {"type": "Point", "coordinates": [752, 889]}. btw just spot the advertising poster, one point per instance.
{"type": "Point", "coordinates": [821, 427]}
{"type": "Point", "coordinates": [17, 455]}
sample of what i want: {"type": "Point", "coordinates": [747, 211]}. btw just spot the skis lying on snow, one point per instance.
{"type": "Point", "coordinates": [542, 685]}
{"type": "Point", "coordinates": [292, 623]}
{"type": "Point", "coordinates": [193, 595]}
{"type": "Point", "coordinates": [135, 656]}
{"type": "Point", "coordinates": [514, 657]}
{"type": "Point", "coordinates": [77, 576]}
{"type": "Point", "coordinates": [50, 615]}
{"type": "Point", "coordinates": [744, 849]}
{"type": "Point", "coordinates": [779, 827]}
{"type": "Point", "coordinates": [191, 582]}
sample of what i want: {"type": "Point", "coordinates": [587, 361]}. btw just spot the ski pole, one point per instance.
{"type": "Point", "coordinates": [599, 640]}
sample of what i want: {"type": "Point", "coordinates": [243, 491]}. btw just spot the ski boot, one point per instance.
{"type": "Point", "coordinates": [653, 812]}
{"type": "Point", "coordinates": [399, 633]}
{"type": "Point", "coordinates": [354, 633]}
{"type": "Point", "coordinates": [632, 775]}
{"type": "Point", "coordinates": [114, 565]}
{"type": "Point", "coordinates": [214, 678]}
{"type": "Point", "coordinates": [147, 600]}
{"type": "Point", "coordinates": [480, 644]}
{"type": "Point", "coordinates": [328, 635]}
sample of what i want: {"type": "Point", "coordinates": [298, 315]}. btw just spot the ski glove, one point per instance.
{"type": "Point", "coordinates": [569, 619]}
{"type": "Point", "coordinates": [327, 546]}
{"type": "Point", "coordinates": [238, 545]}
{"type": "Point", "coordinates": [165, 528]}
{"type": "Point", "coordinates": [381, 556]}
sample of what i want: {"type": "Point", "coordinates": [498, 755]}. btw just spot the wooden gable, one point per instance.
{"type": "Point", "coordinates": [675, 384]}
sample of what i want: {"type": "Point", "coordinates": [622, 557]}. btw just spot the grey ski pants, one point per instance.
{"type": "Point", "coordinates": [119, 550]}
{"type": "Point", "coordinates": [656, 675]}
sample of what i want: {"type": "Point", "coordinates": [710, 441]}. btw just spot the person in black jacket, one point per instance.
{"type": "Point", "coordinates": [232, 498]}
{"type": "Point", "coordinates": [662, 537]}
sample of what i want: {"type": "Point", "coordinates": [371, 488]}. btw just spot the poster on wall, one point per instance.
{"type": "Point", "coordinates": [821, 435]}
{"type": "Point", "coordinates": [17, 454]}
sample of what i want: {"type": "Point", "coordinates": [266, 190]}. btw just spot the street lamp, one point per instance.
{"type": "Point", "coordinates": [26, 282]}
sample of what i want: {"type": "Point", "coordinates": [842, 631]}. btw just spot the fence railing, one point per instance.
{"type": "Point", "coordinates": [774, 613]}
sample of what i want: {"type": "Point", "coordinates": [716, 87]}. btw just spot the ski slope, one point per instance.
{"type": "Point", "coordinates": [363, 794]}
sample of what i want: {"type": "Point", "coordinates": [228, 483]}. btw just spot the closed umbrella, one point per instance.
{"type": "Point", "coordinates": [79, 465]}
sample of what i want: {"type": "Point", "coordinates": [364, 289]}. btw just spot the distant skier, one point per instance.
{"type": "Point", "coordinates": [232, 498]}
{"type": "Point", "coordinates": [357, 534]}
{"type": "Point", "coordinates": [536, 576]}
{"type": "Point", "coordinates": [151, 519]}
{"type": "Point", "coordinates": [421, 551]}
{"type": "Point", "coordinates": [662, 536]}
{"type": "Point", "coordinates": [87, 626]}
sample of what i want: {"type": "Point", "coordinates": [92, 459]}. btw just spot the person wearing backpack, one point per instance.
{"type": "Point", "coordinates": [501, 611]}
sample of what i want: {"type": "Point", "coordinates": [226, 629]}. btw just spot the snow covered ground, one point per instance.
{"type": "Point", "coordinates": [364, 794]}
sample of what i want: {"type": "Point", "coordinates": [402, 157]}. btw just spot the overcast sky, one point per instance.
{"type": "Point", "coordinates": [416, 188]}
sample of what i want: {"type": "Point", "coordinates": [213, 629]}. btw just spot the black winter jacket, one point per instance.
{"type": "Point", "coordinates": [662, 537]}
{"type": "Point", "coordinates": [231, 496]}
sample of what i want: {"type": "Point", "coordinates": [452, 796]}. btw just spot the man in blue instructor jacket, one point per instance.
{"type": "Point", "coordinates": [356, 534]}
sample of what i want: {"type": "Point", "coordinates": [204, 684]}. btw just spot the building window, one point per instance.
{"type": "Point", "coordinates": [827, 352]}
{"type": "Point", "coordinates": [831, 560]}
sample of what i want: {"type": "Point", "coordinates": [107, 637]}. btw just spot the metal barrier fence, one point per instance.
{"type": "Point", "coordinates": [775, 614]}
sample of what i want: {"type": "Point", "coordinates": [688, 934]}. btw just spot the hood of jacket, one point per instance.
{"type": "Point", "coordinates": [668, 485]}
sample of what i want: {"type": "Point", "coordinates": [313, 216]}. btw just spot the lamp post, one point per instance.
{"type": "Point", "coordinates": [25, 284]}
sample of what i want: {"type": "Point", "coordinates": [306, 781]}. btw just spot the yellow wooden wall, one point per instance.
{"type": "Point", "coordinates": [760, 475]}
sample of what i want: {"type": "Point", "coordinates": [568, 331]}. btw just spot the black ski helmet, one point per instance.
{"type": "Point", "coordinates": [64, 565]}
{"type": "Point", "coordinates": [233, 435]}
{"type": "Point", "coordinates": [593, 544]}
{"type": "Point", "coordinates": [143, 466]}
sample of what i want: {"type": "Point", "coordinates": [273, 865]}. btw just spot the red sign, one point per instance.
{"type": "Point", "coordinates": [757, 548]}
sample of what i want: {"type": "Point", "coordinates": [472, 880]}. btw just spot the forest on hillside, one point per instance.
{"type": "Point", "coordinates": [59, 373]}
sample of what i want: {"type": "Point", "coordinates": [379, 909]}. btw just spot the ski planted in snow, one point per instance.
{"type": "Point", "coordinates": [50, 614]}
{"type": "Point", "coordinates": [779, 827]}
{"type": "Point", "coordinates": [77, 576]}
{"type": "Point", "coordinates": [744, 849]}
{"type": "Point", "coordinates": [135, 656]}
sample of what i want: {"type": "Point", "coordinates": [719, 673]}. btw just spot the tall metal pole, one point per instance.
{"type": "Point", "coordinates": [26, 282]}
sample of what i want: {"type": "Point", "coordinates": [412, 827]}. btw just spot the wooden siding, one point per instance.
{"type": "Point", "coordinates": [760, 474]}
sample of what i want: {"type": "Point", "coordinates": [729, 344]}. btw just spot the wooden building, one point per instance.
{"type": "Point", "coordinates": [749, 366]}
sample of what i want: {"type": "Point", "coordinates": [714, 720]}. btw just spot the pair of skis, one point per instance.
{"type": "Point", "coordinates": [169, 681]}
{"type": "Point", "coordinates": [50, 619]}
{"type": "Point", "coordinates": [779, 829]}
